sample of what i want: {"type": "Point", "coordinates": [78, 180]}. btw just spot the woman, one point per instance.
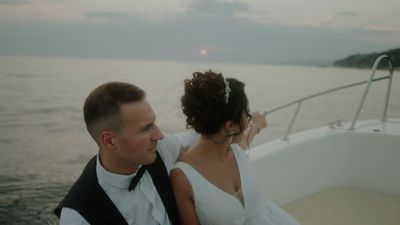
{"type": "Point", "coordinates": [213, 181]}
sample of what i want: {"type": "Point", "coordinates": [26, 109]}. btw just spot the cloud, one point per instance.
{"type": "Point", "coordinates": [229, 40]}
{"type": "Point", "coordinates": [226, 36]}
{"type": "Point", "coordinates": [198, 8]}
{"type": "Point", "coordinates": [110, 16]}
{"type": "Point", "coordinates": [217, 8]}
{"type": "Point", "coordinates": [325, 22]}
{"type": "Point", "coordinates": [15, 2]}
{"type": "Point", "coordinates": [332, 20]}
{"type": "Point", "coordinates": [381, 30]}
{"type": "Point", "coordinates": [347, 13]}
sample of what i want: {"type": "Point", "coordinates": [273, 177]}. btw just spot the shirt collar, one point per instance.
{"type": "Point", "coordinates": [121, 181]}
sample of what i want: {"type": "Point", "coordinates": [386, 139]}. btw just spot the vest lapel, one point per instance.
{"type": "Point", "coordinates": [160, 177]}
{"type": "Point", "coordinates": [88, 198]}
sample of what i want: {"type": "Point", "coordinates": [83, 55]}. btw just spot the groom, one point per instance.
{"type": "Point", "coordinates": [127, 182]}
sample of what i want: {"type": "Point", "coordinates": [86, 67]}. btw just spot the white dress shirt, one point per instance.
{"type": "Point", "coordinates": [142, 205]}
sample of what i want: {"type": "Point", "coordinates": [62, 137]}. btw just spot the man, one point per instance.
{"type": "Point", "coordinates": [127, 182]}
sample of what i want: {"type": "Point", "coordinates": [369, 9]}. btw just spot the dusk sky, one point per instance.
{"type": "Point", "coordinates": [257, 31]}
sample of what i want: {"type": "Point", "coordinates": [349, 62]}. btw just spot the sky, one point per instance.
{"type": "Point", "coordinates": [251, 31]}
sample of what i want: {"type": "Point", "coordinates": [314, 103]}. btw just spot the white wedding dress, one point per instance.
{"type": "Point", "coordinates": [216, 207]}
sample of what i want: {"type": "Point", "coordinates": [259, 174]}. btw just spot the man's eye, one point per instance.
{"type": "Point", "coordinates": [148, 127]}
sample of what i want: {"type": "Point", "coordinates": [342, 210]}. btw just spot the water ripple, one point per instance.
{"type": "Point", "coordinates": [28, 200]}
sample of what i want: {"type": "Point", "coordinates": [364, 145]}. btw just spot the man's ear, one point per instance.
{"type": "Point", "coordinates": [106, 139]}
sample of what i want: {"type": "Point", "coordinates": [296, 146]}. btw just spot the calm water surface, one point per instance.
{"type": "Point", "coordinates": [44, 144]}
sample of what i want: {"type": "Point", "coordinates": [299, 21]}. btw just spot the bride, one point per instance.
{"type": "Point", "coordinates": [213, 181]}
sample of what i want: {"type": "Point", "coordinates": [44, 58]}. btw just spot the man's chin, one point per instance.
{"type": "Point", "coordinates": [152, 157]}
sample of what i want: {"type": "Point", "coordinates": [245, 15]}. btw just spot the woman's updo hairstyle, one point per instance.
{"type": "Point", "coordinates": [206, 105]}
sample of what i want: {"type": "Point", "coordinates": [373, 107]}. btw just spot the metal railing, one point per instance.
{"type": "Point", "coordinates": [368, 82]}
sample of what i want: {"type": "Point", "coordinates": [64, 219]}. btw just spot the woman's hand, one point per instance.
{"type": "Point", "coordinates": [259, 120]}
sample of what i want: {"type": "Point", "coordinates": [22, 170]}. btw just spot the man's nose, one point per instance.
{"type": "Point", "coordinates": [158, 135]}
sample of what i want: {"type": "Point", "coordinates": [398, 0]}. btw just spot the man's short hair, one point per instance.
{"type": "Point", "coordinates": [102, 107]}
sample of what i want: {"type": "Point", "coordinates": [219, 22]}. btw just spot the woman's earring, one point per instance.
{"type": "Point", "coordinates": [230, 134]}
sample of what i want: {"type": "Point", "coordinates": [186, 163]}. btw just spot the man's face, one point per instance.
{"type": "Point", "coordinates": [136, 143]}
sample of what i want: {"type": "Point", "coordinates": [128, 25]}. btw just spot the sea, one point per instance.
{"type": "Point", "coordinates": [44, 144]}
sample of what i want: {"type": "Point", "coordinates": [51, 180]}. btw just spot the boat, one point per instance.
{"type": "Point", "coordinates": [341, 173]}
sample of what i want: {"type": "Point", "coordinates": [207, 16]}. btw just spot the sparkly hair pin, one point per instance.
{"type": "Point", "coordinates": [227, 91]}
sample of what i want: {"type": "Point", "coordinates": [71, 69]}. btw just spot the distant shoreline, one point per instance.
{"type": "Point", "coordinates": [365, 61]}
{"type": "Point", "coordinates": [348, 62]}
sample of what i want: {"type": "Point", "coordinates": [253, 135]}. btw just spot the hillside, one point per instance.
{"type": "Point", "coordinates": [367, 60]}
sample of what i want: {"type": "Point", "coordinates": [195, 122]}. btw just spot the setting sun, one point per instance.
{"type": "Point", "coordinates": [203, 52]}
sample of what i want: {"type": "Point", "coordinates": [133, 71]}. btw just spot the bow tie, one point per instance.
{"type": "Point", "coordinates": [137, 178]}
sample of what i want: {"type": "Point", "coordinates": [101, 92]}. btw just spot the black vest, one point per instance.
{"type": "Point", "coordinates": [88, 198]}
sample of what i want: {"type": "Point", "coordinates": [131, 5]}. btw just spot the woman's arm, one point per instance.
{"type": "Point", "coordinates": [257, 123]}
{"type": "Point", "coordinates": [184, 198]}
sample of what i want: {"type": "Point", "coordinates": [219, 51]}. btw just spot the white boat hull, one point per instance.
{"type": "Point", "coordinates": [323, 158]}
{"type": "Point", "coordinates": [337, 174]}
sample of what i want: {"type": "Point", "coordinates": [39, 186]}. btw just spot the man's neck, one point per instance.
{"type": "Point", "coordinates": [111, 163]}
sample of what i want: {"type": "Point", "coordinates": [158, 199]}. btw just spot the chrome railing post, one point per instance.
{"type": "Point", "coordinates": [389, 85]}
{"type": "Point", "coordinates": [374, 68]}
{"type": "Point", "coordinates": [293, 119]}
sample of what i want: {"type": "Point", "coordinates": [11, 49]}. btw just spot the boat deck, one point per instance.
{"type": "Point", "coordinates": [333, 176]}
{"type": "Point", "coordinates": [346, 206]}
